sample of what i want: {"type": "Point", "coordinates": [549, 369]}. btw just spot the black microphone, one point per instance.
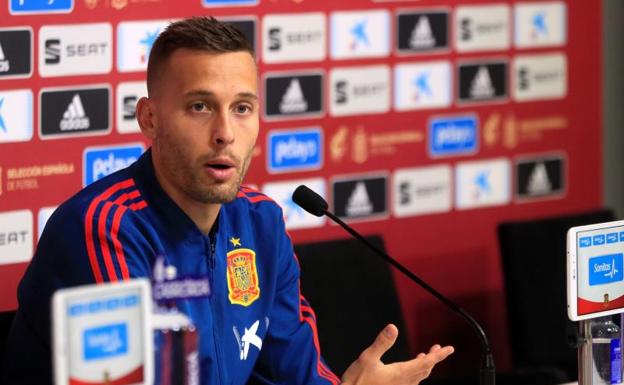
{"type": "Point", "coordinates": [316, 205]}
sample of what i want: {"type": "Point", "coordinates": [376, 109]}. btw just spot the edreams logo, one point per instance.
{"type": "Point", "coordinates": [453, 136]}
{"type": "Point", "coordinates": [74, 112]}
{"type": "Point", "coordinates": [296, 95]}
{"type": "Point", "coordinates": [134, 43]}
{"type": "Point", "coordinates": [15, 53]}
{"type": "Point", "coordinates": [422, 31]}
{"type": "Point", "coordinates": [605, 269]}
{"type": "Point", "coordinates": [99, 162]}
{"type": "Point", "coordinates": [79, 49]}
{"type": "Point", "coordinates": [295, 150]}
{"type": "Point", "coordinates": [423, 85]}
{"type": "Point", "coordinates": [105, 341]}
{"type": "Point", "coordinates": [360, 34]}
{"type": "Point", "coordinates": [20, 7]}
{"type": "Point", "coordinates": [540, 24]}
{"type": "Point", "coordinates": [16, 116]}
{"type": "Point", "coordinates": [294, 37]}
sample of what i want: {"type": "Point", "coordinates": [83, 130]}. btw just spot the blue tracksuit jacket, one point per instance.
{"type": "Point", "coordinates": [116, 227]}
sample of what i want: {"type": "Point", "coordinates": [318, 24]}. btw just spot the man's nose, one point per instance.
{"type": "Point", "coordinates": [223, 132]}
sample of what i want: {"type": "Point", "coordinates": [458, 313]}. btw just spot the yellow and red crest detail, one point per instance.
{"type": "Point", "coordinates": [242, 277]}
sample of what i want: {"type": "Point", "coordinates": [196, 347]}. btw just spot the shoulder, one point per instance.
{"type": "Point", "coordinates": [253, 199]}
{"type": "Point", "coordinates": [258, 207]}
{"type": "Point", "coordinates": [118, 190]}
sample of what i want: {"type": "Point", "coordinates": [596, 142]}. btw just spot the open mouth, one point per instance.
{"type": "Point", "coordinates": [219, 166]}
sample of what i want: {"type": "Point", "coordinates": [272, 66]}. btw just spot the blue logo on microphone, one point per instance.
{"type": "Point", "coordinates": [606, 269]}
{"type": "Point", "coordinates": [105, 341]}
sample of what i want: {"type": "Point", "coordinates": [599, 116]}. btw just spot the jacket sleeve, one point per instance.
{"type": "Point", "coordinates": [291, 352]}
{"type": "Point", "coordinates": [68, 254]}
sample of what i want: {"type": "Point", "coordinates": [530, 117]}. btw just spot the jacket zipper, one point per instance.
{"type": "Point", "coordinates": [215, 326]}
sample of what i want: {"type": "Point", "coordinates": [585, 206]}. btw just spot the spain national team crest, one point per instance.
{"type": "Point", "coordinates": [242, 277]}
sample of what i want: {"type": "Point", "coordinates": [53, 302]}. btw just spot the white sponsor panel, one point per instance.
{"type": "Point", "coordinates": [422, 85]}
{"type": "Point", "coordinates": [538, 77]}
{"type": "Point", "coordinates": [482, 183]}
{"type": "Point", "coordinates": [134, 43]}
{"type": "Point", "coordinates": [294, 216]}
{"type": "Point", "coordinates": [44, 214]}
{"type": "Point", "coordinates": [482, 28]}
{"type": "Point", "coordinates": [293, 38]}
{"type": "Point", "coordinates": [540, 24]}
{"type": "Point", "coordinates": [78, 49]}
{"type": "Point", "coordinates": [360, 34]}
{"type": "Point", "coordinates": [422, 190]}
{"type": "Point", "coordinates": [16, 236]}
{"type": "Point", "coordinates": [128, 94]}
{"type": "Point", "coordinates": [16, 116]}
{"type": "Point", "coordinates": [360, 90]}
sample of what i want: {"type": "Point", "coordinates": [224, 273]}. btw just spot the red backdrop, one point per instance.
{"type": "Point", "coordinates": [455, 250]}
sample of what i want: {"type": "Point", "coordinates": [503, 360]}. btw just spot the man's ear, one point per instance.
{"type": "Point", "coordinates": [146, 117]}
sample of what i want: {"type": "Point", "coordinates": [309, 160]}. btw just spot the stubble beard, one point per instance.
{"type": "Point", "coordinates": [194, 184]}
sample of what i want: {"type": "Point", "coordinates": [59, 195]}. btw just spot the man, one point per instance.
{"type": "Point", "coordinates": [182, 200]}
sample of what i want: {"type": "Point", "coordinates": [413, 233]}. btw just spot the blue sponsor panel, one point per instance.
{"type": "Point", "coordinates": [105, 341]}
{"type": "Point", "coordinates": [585, 242]}
{"type": "Point", "coordinates": [612, 237]}
{"type": "Point", "coordinates": [99, 162]}
{"type": "Point", "coordinates": [40, 6]}
{"type": "Point", "coordinates": [294, 150]}
{"type": "Point", "coordinates": [598, 240]}
{"type": "Point", "coordinates": [453, 136]}
{"type": "Point", "coordinates": [79, 309]}
{"type": "Point", "coordinates": [622, 236]}
{"type": "Point", "coordinates": [605, 269]}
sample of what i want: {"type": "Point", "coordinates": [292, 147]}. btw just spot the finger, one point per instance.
{"type": "Point", "coordinates": [425, 362]}
{"type": "Point", "coordinates": [441, 354]}
{"type": "Point", "coordinates": [384, 341]}
{"type": "Point", "coordinates": [434, 348]}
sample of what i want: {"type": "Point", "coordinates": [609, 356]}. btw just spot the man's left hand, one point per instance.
{"type": "Point", "coordinates": [369, 370]}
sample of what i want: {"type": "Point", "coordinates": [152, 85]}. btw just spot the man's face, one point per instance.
{"type": "Point", "coordinates": [205, 123]}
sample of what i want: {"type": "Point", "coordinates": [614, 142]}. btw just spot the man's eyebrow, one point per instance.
{"type": "Point", "coordinates": [204, 93]}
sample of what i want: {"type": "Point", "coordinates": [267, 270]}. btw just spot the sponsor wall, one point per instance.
{"type": "Point", "coordinates": [428, 122]}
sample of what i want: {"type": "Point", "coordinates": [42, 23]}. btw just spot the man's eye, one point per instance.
{"type": "Point", "coordinates": [199, 107]}
{"type": "Point", "coordinates": [243, 109]}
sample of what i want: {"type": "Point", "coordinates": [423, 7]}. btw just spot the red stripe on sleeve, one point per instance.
{"type": "Point", "coordinates": [108, 259]}
{"type": "Point", "coordinates": [321, 369]}
{"type": "Point", "coordinates": [138, 206]}
{"type": "Point", "coordinates": [89, 217]}
{"type": "Point", "coordinates": [125, 275]}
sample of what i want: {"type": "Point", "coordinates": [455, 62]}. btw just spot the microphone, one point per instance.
{"type": "Point", "coordinates": [313, 203]}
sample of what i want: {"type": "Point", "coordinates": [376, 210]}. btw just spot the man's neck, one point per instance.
{"type": "Point", "coordinates": [202, 214]}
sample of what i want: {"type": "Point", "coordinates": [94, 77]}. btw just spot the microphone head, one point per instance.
{"type": "Point", "coordinates": [309, 201]}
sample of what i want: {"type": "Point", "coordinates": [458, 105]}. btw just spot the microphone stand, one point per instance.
{"type": "Point", "coordinates": [487, 372]}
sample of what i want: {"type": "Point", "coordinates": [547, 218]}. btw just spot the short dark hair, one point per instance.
{"type": "Point", "coordinates": [200, 33]}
